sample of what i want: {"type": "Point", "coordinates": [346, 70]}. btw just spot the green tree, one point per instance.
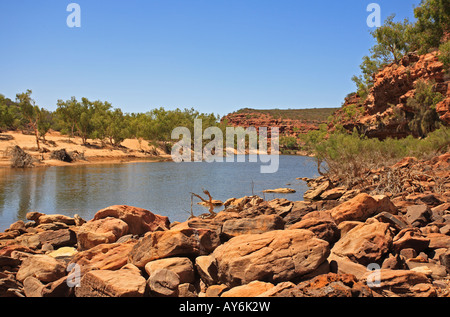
{"type": "Point", "coordinates": [10, 116]}
{"type": "Point", "coordinates": [433, 21]}
{"type": "Point", "coordinates": [423, 104]}
{"type": "Point", "coordinates": [116, 130]}
{"type": "Point", "coordinates": [30, 112]}
{"type": "Point", "coordinates": [69, 113]}
{"type": "Point", "coordinates": [392, 40]}
{"type": "Point", "coordinates": [444, 55]}
{"type": "Point", "coordinates": [85, 126]}
{"type": "Point", "coordinates": [45, 122]}
{"type": "Point", "coordinates": [100, 113]}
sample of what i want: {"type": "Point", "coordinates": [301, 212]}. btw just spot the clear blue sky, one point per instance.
{"type": "Point", "coordinates": [213, 55]}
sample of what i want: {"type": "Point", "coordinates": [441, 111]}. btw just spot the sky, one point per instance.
{"type": "Point", "coordinates": [216, 56]}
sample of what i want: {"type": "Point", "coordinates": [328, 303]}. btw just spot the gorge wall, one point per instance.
{"type": "Point", "coordinates": [385, 112]}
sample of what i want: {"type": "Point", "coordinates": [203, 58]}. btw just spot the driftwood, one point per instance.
{"type": "Point", "coordinates": [19, 158]}
{"type": "Point", "coordinates": [208, 202]}
{"type": "Point", "coordinates": [61, 155]}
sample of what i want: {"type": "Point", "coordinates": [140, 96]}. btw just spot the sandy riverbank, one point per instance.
{"type": "Point", "coordinates": [131, 150]}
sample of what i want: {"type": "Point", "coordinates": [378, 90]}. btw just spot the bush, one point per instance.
{"type": "Point", "coordinates": [444, 56]}
{"type": "Point", "coordinates": [424, 104]}
{"type": "Point", "coordinates": [349, 158]}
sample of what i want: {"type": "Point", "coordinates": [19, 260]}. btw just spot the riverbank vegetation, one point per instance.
{"type": "Point", "coordinates": [350, 157]}
{"type": "Point", "coordinates": [96, 120]}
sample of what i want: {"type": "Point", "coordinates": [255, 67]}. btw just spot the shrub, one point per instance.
{"type": "Point", "coordinates": [349, 158]}
{"type": "Point", "coordinates": [424, 104]}
{"type": "Point", "coordinates": [444, 55]}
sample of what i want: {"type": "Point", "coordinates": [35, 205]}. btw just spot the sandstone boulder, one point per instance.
{"type": "Point", "coordinates": [438, 240]}
{"type": "Point", "coordinates": [418, 215]}
{"type": "Point", "coordinates": [366, 243]}
{"type": "Point", "coordinates": [106, 283]}
{"type": "Point", "coordinates": [183, 242]}
{"type": "Point", "coordinates": [316, 191]}
{"type": "Point", "coordinates": [404, 283]}
{"type": "Point", "coordinates": [41, 218]}
{"type": "Point", "coordinates": [207, 269]}
{"type": "Point", "coordinates": [253, 289]}
{"type": "Point", "coordinates": [105, 230]}
{"type": "Point", "coordinates": [235, 227]}
{"type": "Point", "coordinates": [183, 267]}
{"type": "Point", "coordinates": [361, 208]}
{"type": "Point", "coordinates": [58, 238]}
{"type": "Point", "coordinates": [343, 265]}
{"type": "Point", "coordinates": [274, 256]}
{"type": "Point", "coordinates": [104, 257]}
{"type": "Point", "coordinates": [43, 267]}
{"type": "Point", "coordinates": [334, 193]}
{"type": "Point", "coordinates": [164, 283]}
{"type": "Point", "coordinates": [333, 285]}
{"type": "Point", "coordinates": [139, 220]}
{"type": "Point", "coordinates": [444, 259]}
{"type": "Point", "coordinates": [410, 238]}
{"type": "Point", "coordinates": [321, 223]}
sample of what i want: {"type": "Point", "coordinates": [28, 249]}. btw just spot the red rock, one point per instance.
{"type": "Point", "coordinates": [361, 208]}
{"type": "Point", "coordinates": [404, 283]}
{"type": "Point", "coordinates": [164, 283]}
{"type": "Point", "coordinates": [183, 242]}
{"type": "Point", "coordinates": [438, 240]}
{"type": "Point", "coordinates": [139, 220]}
{"type": "Point", "coordinates": [253, 289]}
{"type": "Point", "coordinates": [207, 269]}
{"type": "Point", "coordinates": [407, 161]}
{"type": "Point", "coordinates": [410, 238]}
{"type": "Point", "coordinates": [393, 85]}
{"type": "Point", "coordinates": [58, 238]}
{"type": "Point", "coordinates": [274, 256]}
{"type": "Point", "coordinates": [8, 249]}
{"type": "Point", "coordinates": [104, 256]}
{"type": "Point", "coordinates": [95, 232]}
{"type": "Point", "coordinates": [183, 267]}
{"type": "Point", "coordinates": [321, 223]}
{"type": "Point", "coordinates": [43, 267]}
{"type": "Point", "coordinates": [105, 283]}
{"type": "Point", "coordinates": [366, 243]}
{"type": "Point", "coordinates": [260, 224]}
{"type": "Point", "coordinates": [333, 285]}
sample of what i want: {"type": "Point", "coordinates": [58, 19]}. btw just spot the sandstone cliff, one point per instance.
{"type": "Point", "coordinates": [291, 122]}
{"type": "Point", "coordinates": [385, 113]}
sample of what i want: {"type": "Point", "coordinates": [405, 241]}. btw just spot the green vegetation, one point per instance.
{"type": "Point", "coordinates": [289, 144]}
{"type": "Point", "coordinates": [424, 103]}
{"type": "Point", "coordinates": [97, 120]}
{"type": "Point", "coordinates": [395, 39]}
{"type": "Point", "coordinates": [306, 115]}
{"type": "Point", "coordinates": [349, 157]}
{"type": "Point", "coordinates": [444, 55]}
{"type": "Point", "coordinates": [433, 21]}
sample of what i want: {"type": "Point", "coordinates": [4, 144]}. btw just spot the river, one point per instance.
{"type": "Point", "coordinates": [163, 188]}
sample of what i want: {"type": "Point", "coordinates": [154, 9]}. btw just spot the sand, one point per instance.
{"type": "Point", "coordinates": [131, 150]}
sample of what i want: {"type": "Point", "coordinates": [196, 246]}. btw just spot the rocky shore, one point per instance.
{"type": "Point", "coordinates": [371, 239]}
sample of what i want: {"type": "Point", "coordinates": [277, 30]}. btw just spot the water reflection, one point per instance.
{"type": "Point", "coordinates": [160, 187]}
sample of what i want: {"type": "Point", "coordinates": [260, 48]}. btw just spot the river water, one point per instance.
{"type": "Point", "coordinates": [163, 188]}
